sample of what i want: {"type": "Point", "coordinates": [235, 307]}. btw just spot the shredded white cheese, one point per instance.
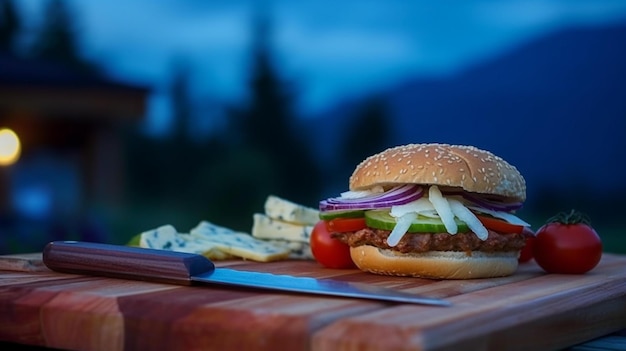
{"type": "Point", "coordinates": [443, 209]}
{"type": "Point", "coordinates": [420, 206]}
{"type": "Point", "coordinates": [461, 212]}
{"type": "Point", "coordinates": [509, 217]}
{"type": "Point", "coordinates": [435, 205]}
{"type": "Point", "coordinates": [402, 226]}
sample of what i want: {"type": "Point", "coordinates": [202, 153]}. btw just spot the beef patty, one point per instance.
{"type": "Point", "coordinates": [422, 242]}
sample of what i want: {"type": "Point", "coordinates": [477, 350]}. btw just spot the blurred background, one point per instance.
{"type": "Point", "coordinates": [117, 117]}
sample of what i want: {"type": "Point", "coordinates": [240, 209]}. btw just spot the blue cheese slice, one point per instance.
{"type": "Point", "coordinates": [166, 237]}
{"type": "Point", "coordinates": [298, 250]}
{"type": "Point", "coordinates": [239, 244]}
{"type": "Point", "coordinates": [265, 227]}
{"type": "Point", "coordinates": [287, 211]}
{"type": "Point", "coordinates": [162, 238]}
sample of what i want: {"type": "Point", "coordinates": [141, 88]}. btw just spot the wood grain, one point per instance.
{"type": "Point", "coordinates": [528, 310]}
{"type": "Point", "coordinates": [514, 314]}
{"type": "Point", "coordinates": [28, 262]}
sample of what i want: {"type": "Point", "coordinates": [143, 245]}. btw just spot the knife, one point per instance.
{"type": "Point", "coordinates": [164, 266]}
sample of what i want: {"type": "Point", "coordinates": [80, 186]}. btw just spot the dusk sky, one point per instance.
{"type": "Point", "coordinates": [332, 49]}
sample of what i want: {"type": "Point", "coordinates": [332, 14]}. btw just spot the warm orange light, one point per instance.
{"type": "Point", "coordinates": [10, 147]}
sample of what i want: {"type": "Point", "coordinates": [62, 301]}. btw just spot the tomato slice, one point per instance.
{"type": "Point", "coordinates": [500, 226]}
{"type": "Point", "coordinates": [342, 225]}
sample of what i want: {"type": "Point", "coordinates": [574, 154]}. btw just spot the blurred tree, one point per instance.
{"type": "Point", "coordinates": [227, 177]}
{"type": "Point", "coordinates": [269, 125]}
{"type": "Point", "coordinates": [9, 26]}
{"type": "Point", "coordinates": [189, 180]}
{"type": "Point", "coordinates": [56, 40]}
{"type": "Point", "coordinates": [159, 168]}
{"type": "Point", "coordinates": [369, 133]}
{"type": "Point", "coordinates": [181, 101]}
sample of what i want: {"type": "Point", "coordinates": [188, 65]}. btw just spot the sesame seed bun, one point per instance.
{"type": "Point", "coordinates": [435, 264]}
{"type": "Point", "coordinates": [467, 167]}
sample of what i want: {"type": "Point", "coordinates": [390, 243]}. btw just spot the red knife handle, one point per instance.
{"type": "Point", "coordinates": [125, 262]}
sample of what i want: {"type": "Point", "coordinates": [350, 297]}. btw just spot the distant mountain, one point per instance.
{"type": "Point", "coordinates": [554, 107]}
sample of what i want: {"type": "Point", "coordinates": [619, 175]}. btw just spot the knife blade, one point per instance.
{"type": "Point", "coordinates": [126, 262]}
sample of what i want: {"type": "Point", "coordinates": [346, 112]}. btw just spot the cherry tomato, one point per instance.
{"type": "Point", "coordinates": [500, 226]}
{"type": "Point", "coordinates": [567, 244]}
{"type": "Point", "coordinates": [526, 254]}
{"type": "Point", "coordinates": [329, 252]}
{"type": "Point", "coordinates": [342, 225]}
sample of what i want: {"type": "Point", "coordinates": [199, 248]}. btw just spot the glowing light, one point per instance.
{"type": "Point", "coordinates": [10, 147]}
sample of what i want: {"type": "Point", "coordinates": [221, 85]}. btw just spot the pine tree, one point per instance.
{"type": "Point", "coordinates": [181, 104]}
{"type": "Point", "coordinates": [368, 135]}
{"type": "Point", "coordinates": [57, 40]}
{"type": "Point", "coordinates": [269, 124]}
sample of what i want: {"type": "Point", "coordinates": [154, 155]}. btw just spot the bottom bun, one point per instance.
{"type": "Point", "coordinates": [435, 264]}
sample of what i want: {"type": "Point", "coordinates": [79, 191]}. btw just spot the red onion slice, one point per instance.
{"type": "Point", "coordinates": [477, 199]}
{"type": "Point", "coordinates": [391, 194]}
{"type": "Point", "coordinates": [396, 196]}
{"type": "Point", "coordinates": [492, 204]}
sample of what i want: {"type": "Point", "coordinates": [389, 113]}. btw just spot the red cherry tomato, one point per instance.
{"type": "Point", "coordinates": [342, 225]}
{"type": "Point", "coordinates": [526, 254]}
{"type": "Point", "coordinates": [499, 225]}
{"type": "Point", "coordinates": [329, 252]}
{"type": "Point", "coordinates": [567, 244]}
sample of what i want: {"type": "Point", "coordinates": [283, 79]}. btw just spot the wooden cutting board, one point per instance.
{"type": "Point", "coordinates": [528, 310]}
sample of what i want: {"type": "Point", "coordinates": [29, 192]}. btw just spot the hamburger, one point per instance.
{"type": "Point", "coordinates": [434, 211]}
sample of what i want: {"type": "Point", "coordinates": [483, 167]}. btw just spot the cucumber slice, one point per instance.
{"type": "Point", "coordinates": [328, 215]}
{"type": "Point", "coordinates": [381, 219]}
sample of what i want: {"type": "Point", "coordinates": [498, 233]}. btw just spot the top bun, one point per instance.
{"type": "Point", "coordinates": [467, 167]}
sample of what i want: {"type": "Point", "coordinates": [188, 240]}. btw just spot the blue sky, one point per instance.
{"type": "Point", "coordinates": [332, 49]}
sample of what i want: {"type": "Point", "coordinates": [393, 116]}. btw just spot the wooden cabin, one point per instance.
{"type": "Point", "coordinates": [69, 125]}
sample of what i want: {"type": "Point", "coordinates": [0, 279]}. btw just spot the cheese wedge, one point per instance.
{"type": "Point", "coordinates": [166, 237]}
{"type": "Point", "coordinates": [285, 210]}
{"type": "Point", "coordinates": [265, 227]}
{"type": "Point", "coordinates": [298, 250]}
{"type": "Point", "coordinates": [239, 244]}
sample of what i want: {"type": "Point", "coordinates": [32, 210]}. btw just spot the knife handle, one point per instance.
{"type": "Point", "coordinates": [125, 262]}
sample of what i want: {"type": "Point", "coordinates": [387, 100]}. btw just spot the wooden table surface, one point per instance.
{"type": "Point", "coordinates": [528, 310]}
